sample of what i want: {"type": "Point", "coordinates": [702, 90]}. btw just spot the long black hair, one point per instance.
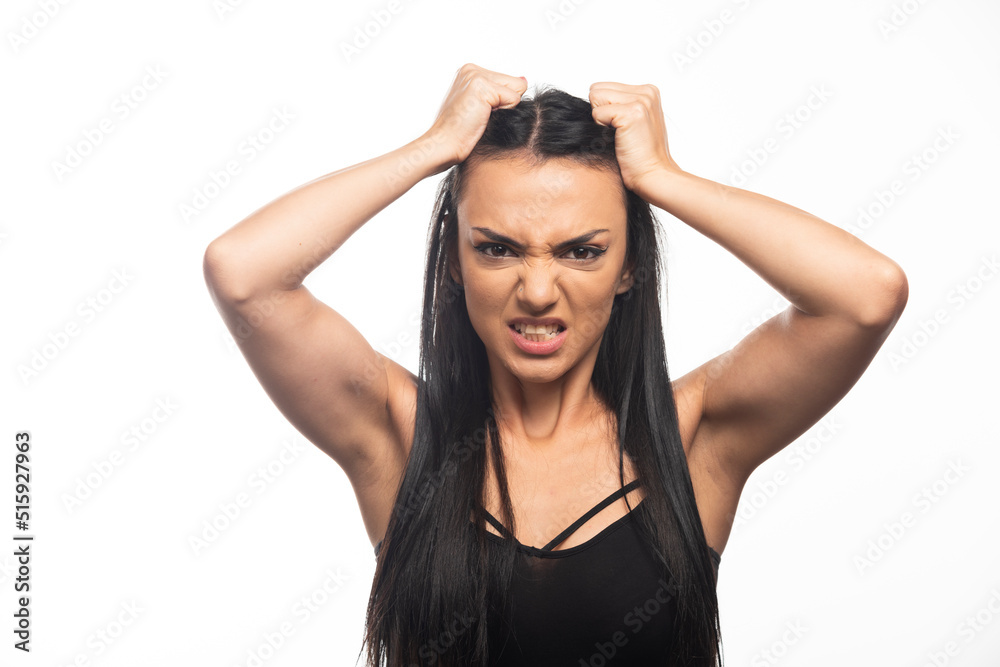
{"type": "Point", "coordinates": [429, 600]}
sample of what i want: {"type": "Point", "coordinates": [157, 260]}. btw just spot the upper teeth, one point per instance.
{"type": "Point", "coordinates": [532, 329]}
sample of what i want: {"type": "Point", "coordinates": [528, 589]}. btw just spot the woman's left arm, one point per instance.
{"type": "Point", "coordinates": [791, 370]}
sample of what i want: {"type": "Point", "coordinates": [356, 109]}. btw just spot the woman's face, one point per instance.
{"type": "Point", "coordinates": [541, 242]}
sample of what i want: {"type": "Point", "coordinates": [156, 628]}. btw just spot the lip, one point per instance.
{"type": "Point", "coordinates": [532, 347]}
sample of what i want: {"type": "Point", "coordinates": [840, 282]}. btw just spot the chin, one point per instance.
{"type": "Point", "coordinates": [537, 371]}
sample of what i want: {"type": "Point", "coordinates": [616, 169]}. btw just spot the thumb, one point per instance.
{"type": "Point", "coordinates": [605, 114]}
{"type": "Point", "coordinates": [508, 97]}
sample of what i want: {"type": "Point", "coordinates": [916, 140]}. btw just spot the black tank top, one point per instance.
{"type": "Point", "coordinates": [600, 602]}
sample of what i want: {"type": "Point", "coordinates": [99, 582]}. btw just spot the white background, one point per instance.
{"type": "Point", "coordinates": [926, 402]}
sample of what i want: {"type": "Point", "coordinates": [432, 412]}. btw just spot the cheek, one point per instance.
{"type": "Point", "coordinates": [591, 307]}
{"type": "Point", "coordinates": [485, 306]}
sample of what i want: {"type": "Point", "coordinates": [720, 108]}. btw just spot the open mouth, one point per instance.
{"type": "Point", "coordinates": [538, 334]}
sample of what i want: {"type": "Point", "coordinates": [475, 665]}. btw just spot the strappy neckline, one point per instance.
{"type": "Point", "coordinates": [549, 549]}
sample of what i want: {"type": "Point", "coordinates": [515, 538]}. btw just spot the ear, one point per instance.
{"type": "Point", "coordinates": [627, 280]}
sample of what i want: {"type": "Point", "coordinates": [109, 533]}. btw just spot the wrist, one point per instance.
{"type": "Point", "coordinates": [656, 186]}
{"type": "Point", "coordinates": [437, 154]}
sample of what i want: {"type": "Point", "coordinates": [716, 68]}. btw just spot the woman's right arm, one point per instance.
{"type": "Point", "coordinates": [351, 402]}
{"type": "Point", "coordinates": [313, 364]}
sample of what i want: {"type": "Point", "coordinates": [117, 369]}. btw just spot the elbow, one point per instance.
{"type": "Point", "coordinates": [886, 294]}
{"type": "Point", "coordinates": [221, 276]}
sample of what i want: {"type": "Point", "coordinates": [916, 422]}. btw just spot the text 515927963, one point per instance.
{"type": "Point", "coordinates": [22, 542]}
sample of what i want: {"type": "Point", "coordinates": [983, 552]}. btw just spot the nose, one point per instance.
{"type": "Point", "coordinates": [537, 290]}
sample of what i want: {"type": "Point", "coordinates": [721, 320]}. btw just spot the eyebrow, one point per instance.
{"type": "Point", "coordinates": [500, 238]}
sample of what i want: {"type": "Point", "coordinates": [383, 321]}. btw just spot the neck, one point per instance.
{"type": "Point", "coordinates": [546, 415]}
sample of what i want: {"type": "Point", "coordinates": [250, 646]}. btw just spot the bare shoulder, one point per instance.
{"type": "Point", "coordinates": [716, 489]}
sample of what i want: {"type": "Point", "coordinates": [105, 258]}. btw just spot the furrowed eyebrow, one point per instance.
{"type": "Point", "coordinates": [500, 238]}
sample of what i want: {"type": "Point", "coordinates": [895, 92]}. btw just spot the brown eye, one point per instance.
{"type": "Point", "coordinates": [596, 252]}
{"type": "Point", "coordinates": [485, 249]}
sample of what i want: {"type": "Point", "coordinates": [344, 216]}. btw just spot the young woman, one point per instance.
{"type": "Point", "coordinates": [543, 389]}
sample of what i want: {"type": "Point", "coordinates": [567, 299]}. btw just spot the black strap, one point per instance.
{"type": "Point", "coordinates": [559, 539]}
{"type": "Point", "coordinates": [579, 522]}
{"type": "Point", "coordinates": [499, 526]}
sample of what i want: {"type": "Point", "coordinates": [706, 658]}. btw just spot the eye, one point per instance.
{"type": "Point", "coordinates": [486, 249]}
{"type": "Point", "coordinates": [597, 252]}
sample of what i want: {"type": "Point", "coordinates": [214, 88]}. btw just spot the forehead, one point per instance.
{"type": "Point", "coordinates": [531, 201]}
